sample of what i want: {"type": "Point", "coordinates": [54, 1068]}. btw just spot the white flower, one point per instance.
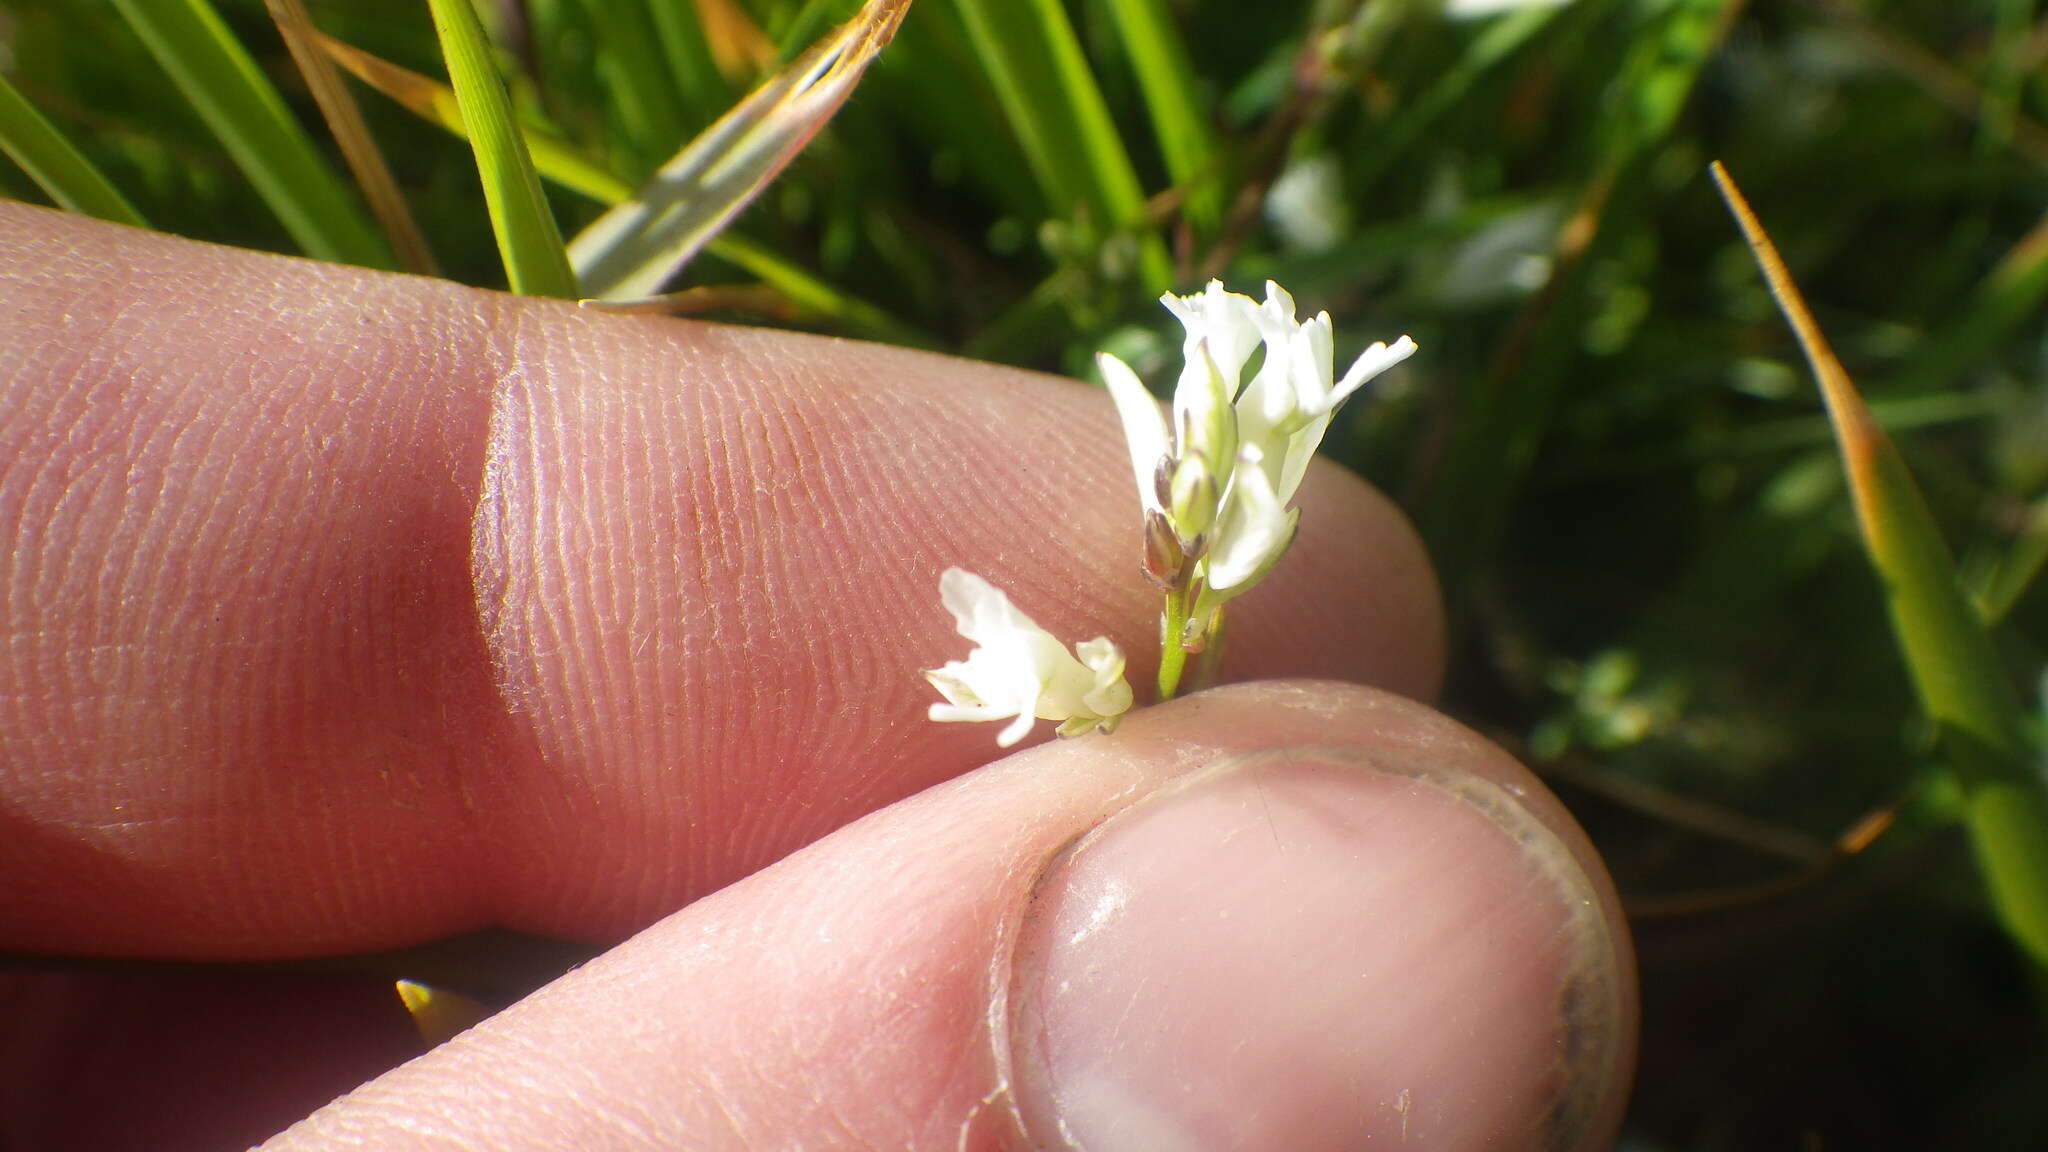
{"type": "Point", "coordinates": [1215, 486]}
{"type": "Point", "coordinates": [1022, 673]}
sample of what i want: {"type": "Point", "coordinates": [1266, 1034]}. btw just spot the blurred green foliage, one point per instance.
{"type": "Point", "coordinates": [1609, 440]}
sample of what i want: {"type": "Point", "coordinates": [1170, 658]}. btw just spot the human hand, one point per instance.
{"type": "Point", "coordinates": [346, 611]}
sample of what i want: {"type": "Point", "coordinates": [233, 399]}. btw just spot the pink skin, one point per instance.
{"type": "Point", "coordinates": [345, 611]}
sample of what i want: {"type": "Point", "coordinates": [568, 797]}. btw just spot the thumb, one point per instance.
{"type": "Point", "coordinates": [1281, 915]}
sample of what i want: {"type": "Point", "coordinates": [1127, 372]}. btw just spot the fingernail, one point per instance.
{"type": "Point", "coordinates": [1304, 949]}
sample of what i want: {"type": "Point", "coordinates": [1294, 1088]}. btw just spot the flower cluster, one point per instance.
{"type": "Point", "coordinates": [1215, 484]}
{"type": "Point", "coordinates": [1020, 672]}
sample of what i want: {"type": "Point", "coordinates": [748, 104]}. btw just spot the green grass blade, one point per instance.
{"type": "Point", "coordinates": [1178, 109]}
{"type": "Point", "coordinates": [245, 112]}
{"type": "Point", "coordinates": [528, 241]}
{"type": "Point", "coordinates": [1947, 650]}
{"type": "Point", "coordinates": [55, 166]}
{"type": "Point", "coordinates": [1034, 60]}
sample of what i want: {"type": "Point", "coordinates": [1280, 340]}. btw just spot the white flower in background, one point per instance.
{"type": "Point", "coordinates": [1308, 206]}
{"type": "Point", "coordinates": [1215, 485]}
{"type": "Point", "coordinates": [1022, 673]}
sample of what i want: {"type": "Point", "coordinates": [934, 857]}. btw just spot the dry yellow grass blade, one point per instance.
{"type": "Point", "coordinates": [358, 148]}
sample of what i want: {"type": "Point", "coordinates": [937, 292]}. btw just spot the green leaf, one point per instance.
{"type": "Point", "coordinates": [1174, 99]}
{"type": "Point", "coordinates": [55, 166]}
{"type": "Point", "coordinates": [1034, 61]}
{"type": "Point", "coordinates": [1948, 652]}
{"type": "Point", "coordinates": [245, 112]}
{"type": "Point", "coordinates": [528, 241]}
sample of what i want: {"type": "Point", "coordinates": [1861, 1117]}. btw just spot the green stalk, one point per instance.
{"type": "Point", "coordinates": [58, 168]}
{"type": "Point", "coordinates": [1172, 657]}
{"type": "Point", "coordinates": [536, 264]}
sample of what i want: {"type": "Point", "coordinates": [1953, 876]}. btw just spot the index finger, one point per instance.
{"type": "Point", "coordinates": [345, 610]}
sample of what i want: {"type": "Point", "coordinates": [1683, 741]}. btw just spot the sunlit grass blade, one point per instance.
{"type": "Point", "coordinates": [358, 147]}
{"type": "Point", "coordinates": [629, 252]}
{"type": "Point", "coordinates": [245, 112]}
{"type": "Point", "coordinates": [1050, 97]}
{"type": "Point", "coordinates": [1174, 99]}
{"type": "Point", "coordinates": [1947, 650]}
{"type": "Point", "coordinates": [58, 168]}
{"type": "Point", "coordinates": [528, 241]}
{"type": "Point", "coordinates": [559, 162]}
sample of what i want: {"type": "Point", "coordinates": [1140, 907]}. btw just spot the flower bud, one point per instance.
{"type": "Point", "coordinates": [1165, 559]}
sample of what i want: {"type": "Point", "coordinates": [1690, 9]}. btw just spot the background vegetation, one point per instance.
{"type": "Point", "coordinates": [1658, 591]}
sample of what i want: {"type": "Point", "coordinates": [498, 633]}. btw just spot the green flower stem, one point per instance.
{"type": "Point", "coordinates": [1172, 657]}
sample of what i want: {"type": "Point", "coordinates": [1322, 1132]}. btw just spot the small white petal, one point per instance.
{"type": "Point", "coordinates": [1020, 672]}
{"type": "Point", "coordinates": [1229, 321]}
{"type": "Point", "coordinates": [1144, 425]}
{"type": "Point", "coordinates": [1253, 529]}
{"type": "Point", "coordinates": [980, 610]}
{"type": "Point", "coordinates": [1300, 449]}
{"type": "Point", "coordinates": [1370, 363]}
{"type": "Point", "coordinates": [1312, 359]}
{"type": "Point", "coordinates": [1110, 694]}
{"type": "Point", "coordinates": [1016, 729]}
{"type": "Point", "coordinates": [1279, 301]}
